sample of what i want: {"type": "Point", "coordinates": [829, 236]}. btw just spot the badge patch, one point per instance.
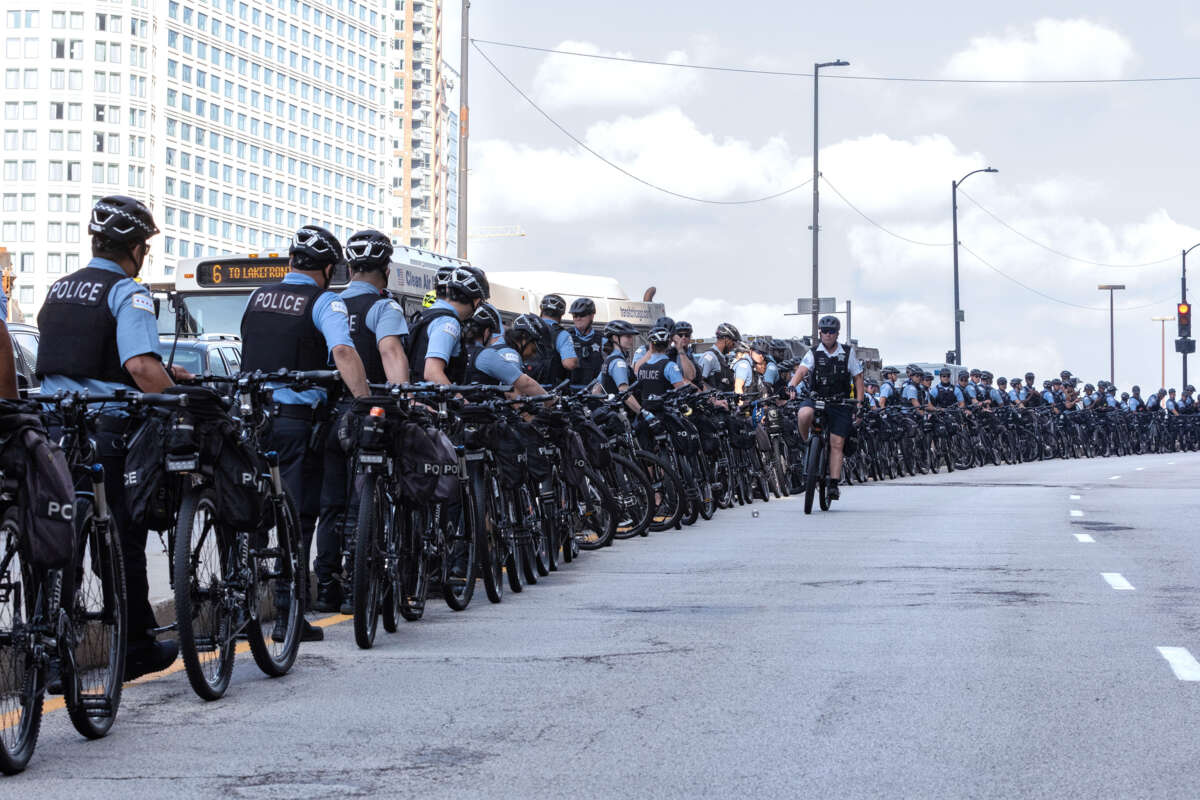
{"type": "Point", "coordinates": [339, 307]}
{"type": "Point", "coordinates": [143, 301]}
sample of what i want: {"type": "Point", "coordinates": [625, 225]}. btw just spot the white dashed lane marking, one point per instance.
{"type": "Point", "coordinates": [1138, 469]}
{"type": "Point", "coordinates": [1183, 664]}
{"type": "Point", "coordinates": [1075, 512]}
{"type": "Point", "coordinates": [1117, 581]}
{"type": "Point", "coordinates": [1074, 497]}
{"type": "Point", "coordinates": [1114, 477]}
{"type": "Point", "coordinates": [1084, 537]}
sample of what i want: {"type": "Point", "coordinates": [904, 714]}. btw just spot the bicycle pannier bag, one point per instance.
{"type": "Point", "coordinates": [46, 493]}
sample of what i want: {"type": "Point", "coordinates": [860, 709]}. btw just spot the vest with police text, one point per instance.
{"type": "Point", "coordinates": [418, 344]}
{"type": "Point", "coordinates": [78, 329]}
{"type": "Point", "coordinates": [278, 330]}
{"type": "Point", "coordinates": [365, 341]}
{"type": "Point", "coordinates": [652, 383]}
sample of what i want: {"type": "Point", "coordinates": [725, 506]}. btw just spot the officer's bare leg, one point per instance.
{"type": "Point", "coordinates": [804, 419]}
{"type": "Point", "coordinates": [836, 446]}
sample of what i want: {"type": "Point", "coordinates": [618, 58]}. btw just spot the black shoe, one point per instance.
{"type": "Point", "coordinates": [142, 659]}
{"type": "Point", "coordinates": [54, 684]}
{"type": "Point", "coordinates": [832, 490]}
{"type": "Point", "coordinates": [329, 596]}
{"type": "Point", "coordinates": [310, 632]}
{"type": "Point", "coordinates": [347, 606]}
{"type": "Point", "coordinates": [279, 632]}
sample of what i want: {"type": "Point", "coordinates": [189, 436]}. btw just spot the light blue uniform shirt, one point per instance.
{"type": "Point", "coordinates": [996, 396]}
{"type": "Point", "coordinates": [333, 321]}
{"type": "Point", "coordinates": [908, 394]}
{"type": "Point", "coordinates": [743, 369]}
{"type": "Point", "coordinates": [1134, 403]}
{"type": "Point", "coordinates": [619, 371]}
{"type": "Point", "coordinates": [1048, 396]}
{"type": "Point", "coordinates": [637, 354]}
{"type": "Point", "coordinates": [503, 364]}
{"type": "Point", "coordinates": [710, 362]}
{"type": "Point", "coordinates": [886, 390]}
{"type": "Point", "coordinates": [385, 318]}
{"type": "Point", "coordinates": [445, 334]}
{"type": "Point", "coordinates": [562, 340]}
{"type": "Point", "coordinates": [1112, 401]}
{"type": "Point", "coordinates": [137, 331]}
{"type": "Point", "coordinates": [672, 372]}
{"type": "Point", "coordinates": [771, 373]}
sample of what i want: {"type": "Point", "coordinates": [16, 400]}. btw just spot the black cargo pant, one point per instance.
{"type": "Point", "coordinates": [297, 436]}
{"type": "Point", "coordinates": [338, 506]}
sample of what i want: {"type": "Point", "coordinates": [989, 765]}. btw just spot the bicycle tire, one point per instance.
{"type": "Point", "coordinates": [458, 591]}
{"type": "Point", "coordinates": [414, 565]}
{"type": "Point", "coordinates": [22, 694]}
{"type": "Point", "coordinates": [601, 518]}
{"type": "Point", "coordinates": [479, 514]}
{"type": "Point", "coordinates": [812, 476]}
{"type": "Point", "coordinates": [633, 492]}
{"type": "Point", "coordinates": [513, 568]}
{"type": "Point", "coordinates": [277, 567]}
{"type": "Point", "coordinates": [368, 577]}
{"type": "Point", "coordinates": [98, 560]}
{"type": "Point", "coordinates": [202, 565]}
{"type": "Point", "coordinates": [667, 486]}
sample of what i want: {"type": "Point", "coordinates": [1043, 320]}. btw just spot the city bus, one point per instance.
{"type": "Point", "coordinates": [210, 294]}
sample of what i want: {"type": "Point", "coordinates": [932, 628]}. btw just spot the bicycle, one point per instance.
{"type": "Point", "coordinates": [816, 463]}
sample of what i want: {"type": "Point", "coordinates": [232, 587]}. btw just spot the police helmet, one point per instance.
{"type": "Point", "coordinates": [1066, 373]}
{"type": "Point", "coordinates": [829, 322]}
{"type": "Point", "coordinates": [1124, 395]}
{"type": "Point", "coordinates": [1045, 384]}
{"type": "Point", "coordinates": [486, 316]}
{"type": "Point", "coordinates": [530, 326]}
{"type": "Point", "coordinates": [889, 371]}
{"type": "Point", "coordinates": [582, 307]}
{"type": "Point", "coordinates": [463, 285]}
{"type": "Point", "coordinates": [659, 335]}
{"type": "Point", "coordinates": [682, 328]}
{"type": "Point", "coordinates": [1136, 389]}
{"type": "Point", "coordinates": [619, 327]}
{"type": "Point", "coordinates": [987, 376]}
{"type": "Point", "coordinates": [945, 372]}
{"type": "Point", "coordinates": [554, 305]}
{"type": "Point", "coordinates": [975, 373]}
{"type": "Point", "coordinates": [1029, 376]}
{"type": "Point", "coordinates": [1002, 381]}
{"type": "Point", "coordinates": [912, 369]}
{"type": "Point", "coordinates": [314, 247]}
{"type": "Point", "coordinates": [122, 220]}
{"type": "Point", "coordinates": [1171, 390]}
{"type": "Point", "coordinates": [928, 376]}
{"type": "Point", "coordinates": [442, 276]}
{"type": "Point", "coordinates": [1014, 382]}
{"type": "Point", "coordinates": [1189, 388]}
{"type": "Point", "coordinates": [368, 250]}
{"type": "Point", "coordinates": [481, 279]}
{"type": "Point", "coordinates": [664, 322]}
{"type": "Point", "coordinates": [728, 331]}
{"type": "Point", "coordinates": [1056, 382]}
{"type": "Point", "coordinates": [1088, 388]}
{"type": "Point", "coordinates": [962, 376]}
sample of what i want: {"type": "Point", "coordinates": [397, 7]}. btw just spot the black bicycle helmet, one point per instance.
{"type": "Point", "coordinates": [554, 305]}
{"type": "Point", "coordinates": [962, 376]}
{"type": "Point", "coordinates": [463, 285]}
{"type": "Point", "coordinates": [889, 371]}
{"type": "Point", "coordinates": [987, 376]}
{"type": "Point", "coordinates": [528, 325]}
{"type": "Point", "coordinates": [486, 316]}
{"type": "Point", "coordinates": [945, 373]}
{"type": "Point", "coordinates": [1124, 395]}
{"type": "Point", "coordinates": [314, 247]}
{"type": "Point", "coordinates": [829, 322]}
{"type": "Point", "coordinates": [976, 373]}
{"type": "Point", "coordinates": [664, 322]}
{"type": "Point", "coordinates": [1189, 388]}
{"type": "Point", "coordinates": [1171, 390]}
{"type": "Point", "coordinates": [682, 327]}
{"type": "Point", "coordinates": [619, 327]}
{"type": "Point", "coordinates": [1002, 381]}
{"type": "Point", "coordinates": [481, 278]}
{"type": "Point", "coordinates": [761, 346]}
{"type": "Point", "coordinates": [1136, 389]}
{"type": "Point", "coordinates": [658, 335]}
{"type": "Point", "coordinates": [1045, 384]}
{"type": "Point", "coordinates": [1066, 373]}
{"type": "Point", "coordinates": [912, 369]}
{"type": "Point", "coordinates": [442, 276]}
{"type": "Point", "coordinates": [727, 330]}
{"type": "Point", "coordinates": [582, 307]}
{"type": "Point", "coordinates": [1014, 381]}
{"type": "Point", "coordinates": [1056, 382]}
{"type": "Point", "coordinates": [1088, 388]}
{"type": "Point", "coordinates": [1029, 376]}
{"type": "Point", "coordinates": [369, 250]}
{"type": "Point", "coordinates": [122, 220]}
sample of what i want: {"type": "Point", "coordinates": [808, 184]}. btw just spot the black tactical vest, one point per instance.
{"type": "Point", "coordinates": [418, 343]}
{"type": "Point", "coordinates": [723, 377]}
{"type": "Point", "coordinates": [591, 358]}
{"type": "Point", "coordinates": [546, 365]}
{"type": "Point", "coordinates": [652, 383]}
{"type": "Point", "coordinates": [278, 329]}
{"type": "Point", "coordinates": [365, 341]}
{"type": "Point", "coordinates": [79, 331]}
{"type": "Point", "coordinates": [945, 397]}
{"type": "Point", "coordinates": [474, 375]}
{"type": "Point", "coordinates": [891, 398]}
{"type": "Point", "coordinates": [606, 379]}
{"type": "Point", "coordinates": [831, 373]}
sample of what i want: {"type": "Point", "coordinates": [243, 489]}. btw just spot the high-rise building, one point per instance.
{"type": "Point", "coordinates": [418, 122]}
{"type": "Point", "coordinates": [236, 121]}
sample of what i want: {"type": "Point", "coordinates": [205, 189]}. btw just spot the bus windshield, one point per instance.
{"type": "Point", "coordinates": [208, 313]}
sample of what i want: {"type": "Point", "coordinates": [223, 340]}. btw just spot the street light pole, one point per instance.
{"type": "Point", "coordinates": [1112, 349]}
{"type": "Point", "coordinates": [1163, 376]}
{"type": "Point", "coordinates": [1183, 299]}
{"type": "Point", "coordinates": [463, 126]}
{"type": "Point", "coordinates": [816, 182]}
{"type": "Point", "coordinates": [958, 359]}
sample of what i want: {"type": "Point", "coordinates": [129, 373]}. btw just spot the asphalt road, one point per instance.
{"type": "Point", "coordinates": [951, 636]}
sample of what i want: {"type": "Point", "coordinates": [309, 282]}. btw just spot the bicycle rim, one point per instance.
{"type": "Point", "coordinates": [276, 567]}
{"type": "Point", "coordinates": [21, 694]}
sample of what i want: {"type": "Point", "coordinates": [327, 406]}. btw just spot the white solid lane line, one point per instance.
{"type": "Point", "coordinates": [1183, 664]}
{"type": "Point", "coordinates": [1084, 537]}
{"type": "Point", "coordinates": [1074, 497]}
{"type": "Point", "coordinates": [1117, 581]}
{"type": "Point", "coordinates": [1075, 512]}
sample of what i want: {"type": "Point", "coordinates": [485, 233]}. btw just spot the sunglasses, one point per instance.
{"type": "Point", "coordinates": [828, 330]}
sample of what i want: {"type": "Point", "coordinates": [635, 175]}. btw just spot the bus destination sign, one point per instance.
{"type": "Point", "coordinates": [241, 273]}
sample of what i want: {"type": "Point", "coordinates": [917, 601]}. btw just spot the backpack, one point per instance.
{"type": "Point", "coordinates": [45, 491]}
{"type": "Point", "coordinates": [239, 484]}
{"type": "Point", "coordinates": [596, 441]}
{"type": "Point", "coordinates": [147, 493]}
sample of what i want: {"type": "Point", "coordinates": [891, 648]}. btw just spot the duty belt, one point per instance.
{"type": "Point", "coordinates": [295, 411]}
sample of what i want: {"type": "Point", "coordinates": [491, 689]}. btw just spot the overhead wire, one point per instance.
{"type": "Point", "coordinates": [837, 76]}
{"type": "Point", "coordinates": [878, 225]}
{"type": "Point", "coordinates": [1059, 253]}
{"type": "Point", "coordinates": [618, 167]}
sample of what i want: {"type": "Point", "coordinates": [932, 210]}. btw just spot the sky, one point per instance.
{"type": "Point", "coordinates": [1101, 172]}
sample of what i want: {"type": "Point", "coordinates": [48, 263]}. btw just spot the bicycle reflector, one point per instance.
{"type": "Point", "coordinates": [1183, 313]}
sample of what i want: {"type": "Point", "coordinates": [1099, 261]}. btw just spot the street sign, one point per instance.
{"type": "Point", "coordinates": [1185, 345]}
{"type": "Point", "coordinates": [825, 305]}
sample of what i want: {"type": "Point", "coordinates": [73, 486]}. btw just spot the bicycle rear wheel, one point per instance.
{"type": "Point", "coordinates": [22, 603]}
{"type": "Point", "coordinates": [369, 560]}
{"type": "Point", "coordinates": [276, 569]}
{"type": "Point", "coordinates": [205, 620]}
{"type": "Point", "coordinates": [414, 564]}
{"type": "Point", "coordinates": [479, 513]}
{"type": "Point", "coordinates": [812, 474]}
{"type": "Point", "coordinates": [93, 655]}
{"type": "Point", "coordinates": [457, 590]}
{"type": "Point", "coordinates": [634, 495]}
{"type": "Point", "coordinates": [667, 489]}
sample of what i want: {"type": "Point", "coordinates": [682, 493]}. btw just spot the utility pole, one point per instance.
{"type": "Point", "coordinates": [958, 314]}
{"type": "Point", "coordinates": [816, 182]}
{"type": "Point", "coordinates": [1183, 304]}
{"type": "Point", "coordinates": [1163, 377]}
{"type": "Point", "coordinates": [1112, 349]}
{"type": "Point", "coordinates": [464, 122]}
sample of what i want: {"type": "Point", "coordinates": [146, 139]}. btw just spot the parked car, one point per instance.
{"type": "Point", "coordinates": [25, 340]}
{"type": "Point", "coordinates": [215, 353]}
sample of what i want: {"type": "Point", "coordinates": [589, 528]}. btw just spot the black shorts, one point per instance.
{"type": "Point", "coordinates": [840, 418]}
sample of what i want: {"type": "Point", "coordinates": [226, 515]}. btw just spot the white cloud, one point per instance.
{"type": "Point", "coordinates": [563, 81]}
{"type": "Point", "coordinates": [1052, 49]}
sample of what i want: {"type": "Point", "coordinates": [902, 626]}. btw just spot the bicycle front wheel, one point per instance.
{"type": "Point", "coordinates": [93, 655]}
{"type": "Point", "coordinates": [369, 555]}
{"type": "Point", "coordinates": [276, 569]}
{"type": "Point", "coordinates": [206, 625]}
{"type": "Point", "coordinates": [22, 602]}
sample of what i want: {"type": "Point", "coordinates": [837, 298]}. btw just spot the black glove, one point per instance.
{"type": "Point", "coordinates": [348, 425]}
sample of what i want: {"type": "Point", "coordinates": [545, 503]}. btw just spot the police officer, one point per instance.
{"type": "Point", "coordinates": [586, 342]}
{"type": "Point", "coordinates": [556, 357]}
{"type": "Point", "coordinates": [1187, 403]}
{"type": "Point", "coordinates": [378, 330]}
{"type": "Point", "coordinates": [887, 389]}
{"type": "Point", "coordinates": [715, 370]}
{"type": "Point", "coordinates": [640, 354]}
{"type": "Point", "coordinates": [657, 373]}
{"type": "Point", "coordinates": [1005, 395]}
{"type": "Point", "coordinates": [964, 391]}
{"type": "Point", "coordinates": [750, 369]}
{"type": "Point", "coordinates": [945, 394]}
{"type": "Point", "coordinates": [501, 363]}
{"type": "Point", "coordinates": [913, 395]}
{"type": "Point", "coordinates": [301, 325]}
{"type": "Point", "coordinates": [1135, 402]}
{"type": "Point", "coordinates": [681, 352]}
{"type": "Point", "coordinates": [835, 369]}
{"type": "Point", "coordinates": [99, 334]}
{"type": "Point", "coordinates": [483, 328]}
{"type": "Point", "coordinates": [435, 351]}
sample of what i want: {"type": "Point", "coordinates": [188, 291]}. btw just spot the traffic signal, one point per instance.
{"type": "Point", "coordinates": [1183, 312]}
